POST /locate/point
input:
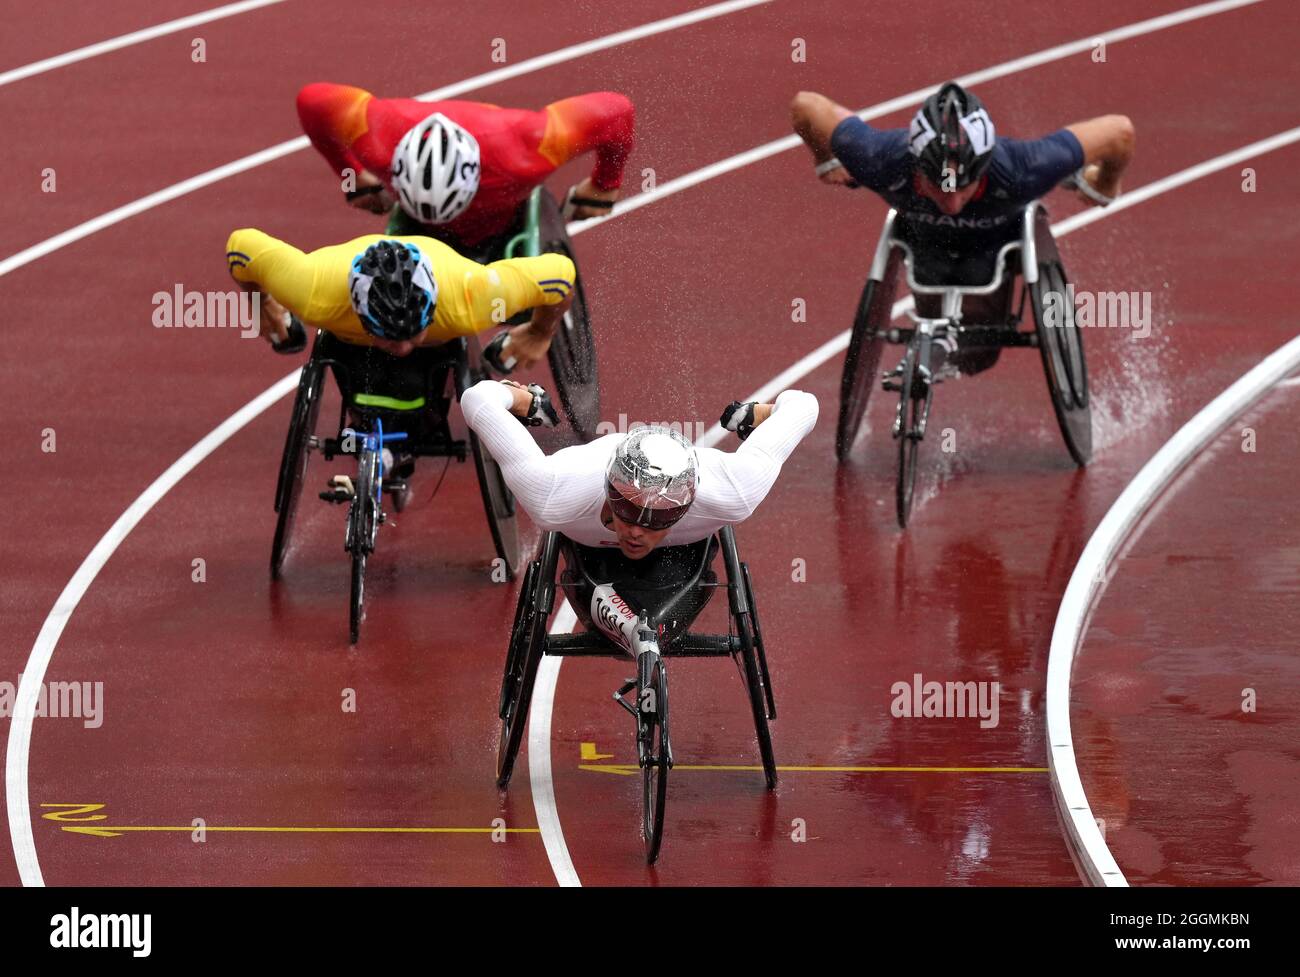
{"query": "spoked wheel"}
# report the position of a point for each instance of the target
(293, 462)
(1061, 345)
(758, 695)
(862, 361)
(523, 657)
(750, 659)
(498, 500)
(759, 647)
(363, 522)
(499, 504)
(573, 350)
(510, 680)
(909, 441)
(654, 750)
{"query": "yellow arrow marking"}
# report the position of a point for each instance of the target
(589, 752)
(75, 809)
(626, 769)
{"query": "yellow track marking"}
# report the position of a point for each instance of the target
(589, 752)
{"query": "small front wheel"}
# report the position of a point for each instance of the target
(356, 610)
(655, 754)
(910, 411)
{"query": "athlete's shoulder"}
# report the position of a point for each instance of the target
(877, 158)
(1031, 167)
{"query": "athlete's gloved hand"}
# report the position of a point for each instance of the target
(541, 412)
(582, 203)
(739, 418)
(1081, 182)
(495, 356)
(295, 342)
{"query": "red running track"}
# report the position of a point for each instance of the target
(222, 699)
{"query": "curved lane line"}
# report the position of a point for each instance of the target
(20, 730)
(126, 40)
(539, 757)
(1087, 844)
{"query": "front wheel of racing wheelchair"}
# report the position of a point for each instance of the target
(529, 642)
(424, 418)
(1056, 334)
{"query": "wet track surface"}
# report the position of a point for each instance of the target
(223, 699)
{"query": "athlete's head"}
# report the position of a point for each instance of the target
(435, 170)
(952, 140)
(393, 293)
(649, 484)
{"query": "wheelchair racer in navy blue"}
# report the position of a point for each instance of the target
(958, 187)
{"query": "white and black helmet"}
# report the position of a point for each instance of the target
(436, 170)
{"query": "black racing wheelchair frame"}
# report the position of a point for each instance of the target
(1055, 334)
(422, 425)
(530, 642)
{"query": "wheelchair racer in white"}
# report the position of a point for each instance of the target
(635, 496)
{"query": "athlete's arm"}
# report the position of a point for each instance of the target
(500, 290)
(333, 117)
(814, 117)
(603, 122)
(279, 271)
(531, 475)
(1108, 142)
(751, 470)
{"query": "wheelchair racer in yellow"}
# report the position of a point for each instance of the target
(387, 304)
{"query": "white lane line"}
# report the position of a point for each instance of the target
(1012, 67)
(126, 40)
(1088, 845)
(539, 757)
(20, 731)
(271, 153)
(20, 827)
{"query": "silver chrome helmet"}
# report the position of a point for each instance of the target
(651, 477)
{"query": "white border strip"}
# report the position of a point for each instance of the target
(289, 146)
(1087, 843)
(126, 40)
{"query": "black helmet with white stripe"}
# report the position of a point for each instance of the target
(952, 137)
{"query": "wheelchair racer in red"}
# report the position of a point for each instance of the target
(460, 171)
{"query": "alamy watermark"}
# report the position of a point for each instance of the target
(182, 309)
(60, 700)
(1102, 310)
(920, 699)
(691, 430)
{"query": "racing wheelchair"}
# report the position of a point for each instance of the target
(541, 229)
(1043, 283)
(645, 622)
(416, 423)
